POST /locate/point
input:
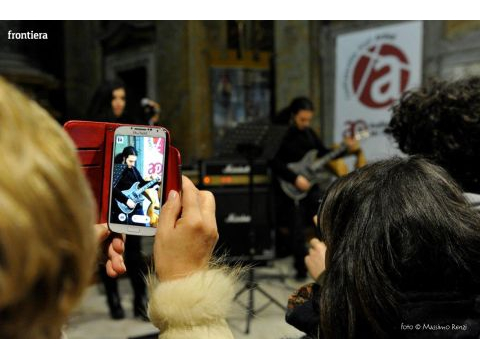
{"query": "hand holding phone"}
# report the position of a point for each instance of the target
(113, 249)
(184, 245)
(96, 143)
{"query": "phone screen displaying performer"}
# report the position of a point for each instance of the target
(137, 180)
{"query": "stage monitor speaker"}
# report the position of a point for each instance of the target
(233, 221)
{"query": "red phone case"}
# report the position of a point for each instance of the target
(94, 141)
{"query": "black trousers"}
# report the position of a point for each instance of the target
(136, 269)
(302, 219)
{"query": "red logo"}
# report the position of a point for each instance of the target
(380, 75)
(355, 127)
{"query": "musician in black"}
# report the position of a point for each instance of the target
(300, 139)
(125, 175)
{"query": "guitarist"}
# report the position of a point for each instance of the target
(299, 139)
(127, 176)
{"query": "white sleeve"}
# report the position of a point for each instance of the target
(194, 307)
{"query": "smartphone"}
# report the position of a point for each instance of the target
(137, 179)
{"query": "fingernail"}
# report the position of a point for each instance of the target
(172, 195)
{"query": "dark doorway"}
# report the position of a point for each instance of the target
(136, 83)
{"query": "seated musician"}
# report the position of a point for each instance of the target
(298, 141)
(125, 176)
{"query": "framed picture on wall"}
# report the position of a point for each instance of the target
(241, 90)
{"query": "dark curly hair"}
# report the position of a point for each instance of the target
(381, 257)
(441, 121)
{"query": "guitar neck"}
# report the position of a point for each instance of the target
(147, 186)
(318, 164)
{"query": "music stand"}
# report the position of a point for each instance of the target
(253, 141)
(260, 133)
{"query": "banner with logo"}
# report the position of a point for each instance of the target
(373, 68)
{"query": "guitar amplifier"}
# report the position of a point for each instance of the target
(192, 171)
(234, 172)
(233, 221)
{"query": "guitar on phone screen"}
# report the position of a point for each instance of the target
(135, 194)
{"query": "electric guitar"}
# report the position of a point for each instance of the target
(314, 170)
(135, 194)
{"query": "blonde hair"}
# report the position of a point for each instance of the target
(47, 246)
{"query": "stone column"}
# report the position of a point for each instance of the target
(297, 64)
(183, 85)
(292, 61)
(83, 65)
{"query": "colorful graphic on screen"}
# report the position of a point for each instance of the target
(137, 180)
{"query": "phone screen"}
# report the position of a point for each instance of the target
(137, 180)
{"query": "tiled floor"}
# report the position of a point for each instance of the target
(91, 318)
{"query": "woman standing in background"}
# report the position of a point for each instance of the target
(109, 104)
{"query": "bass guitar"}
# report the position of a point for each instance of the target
(314, 169)
(135, 194)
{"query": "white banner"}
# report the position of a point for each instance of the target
(373, 68)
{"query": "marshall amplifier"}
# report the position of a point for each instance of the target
(233, 221)
(225, 173)
(192, 171)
